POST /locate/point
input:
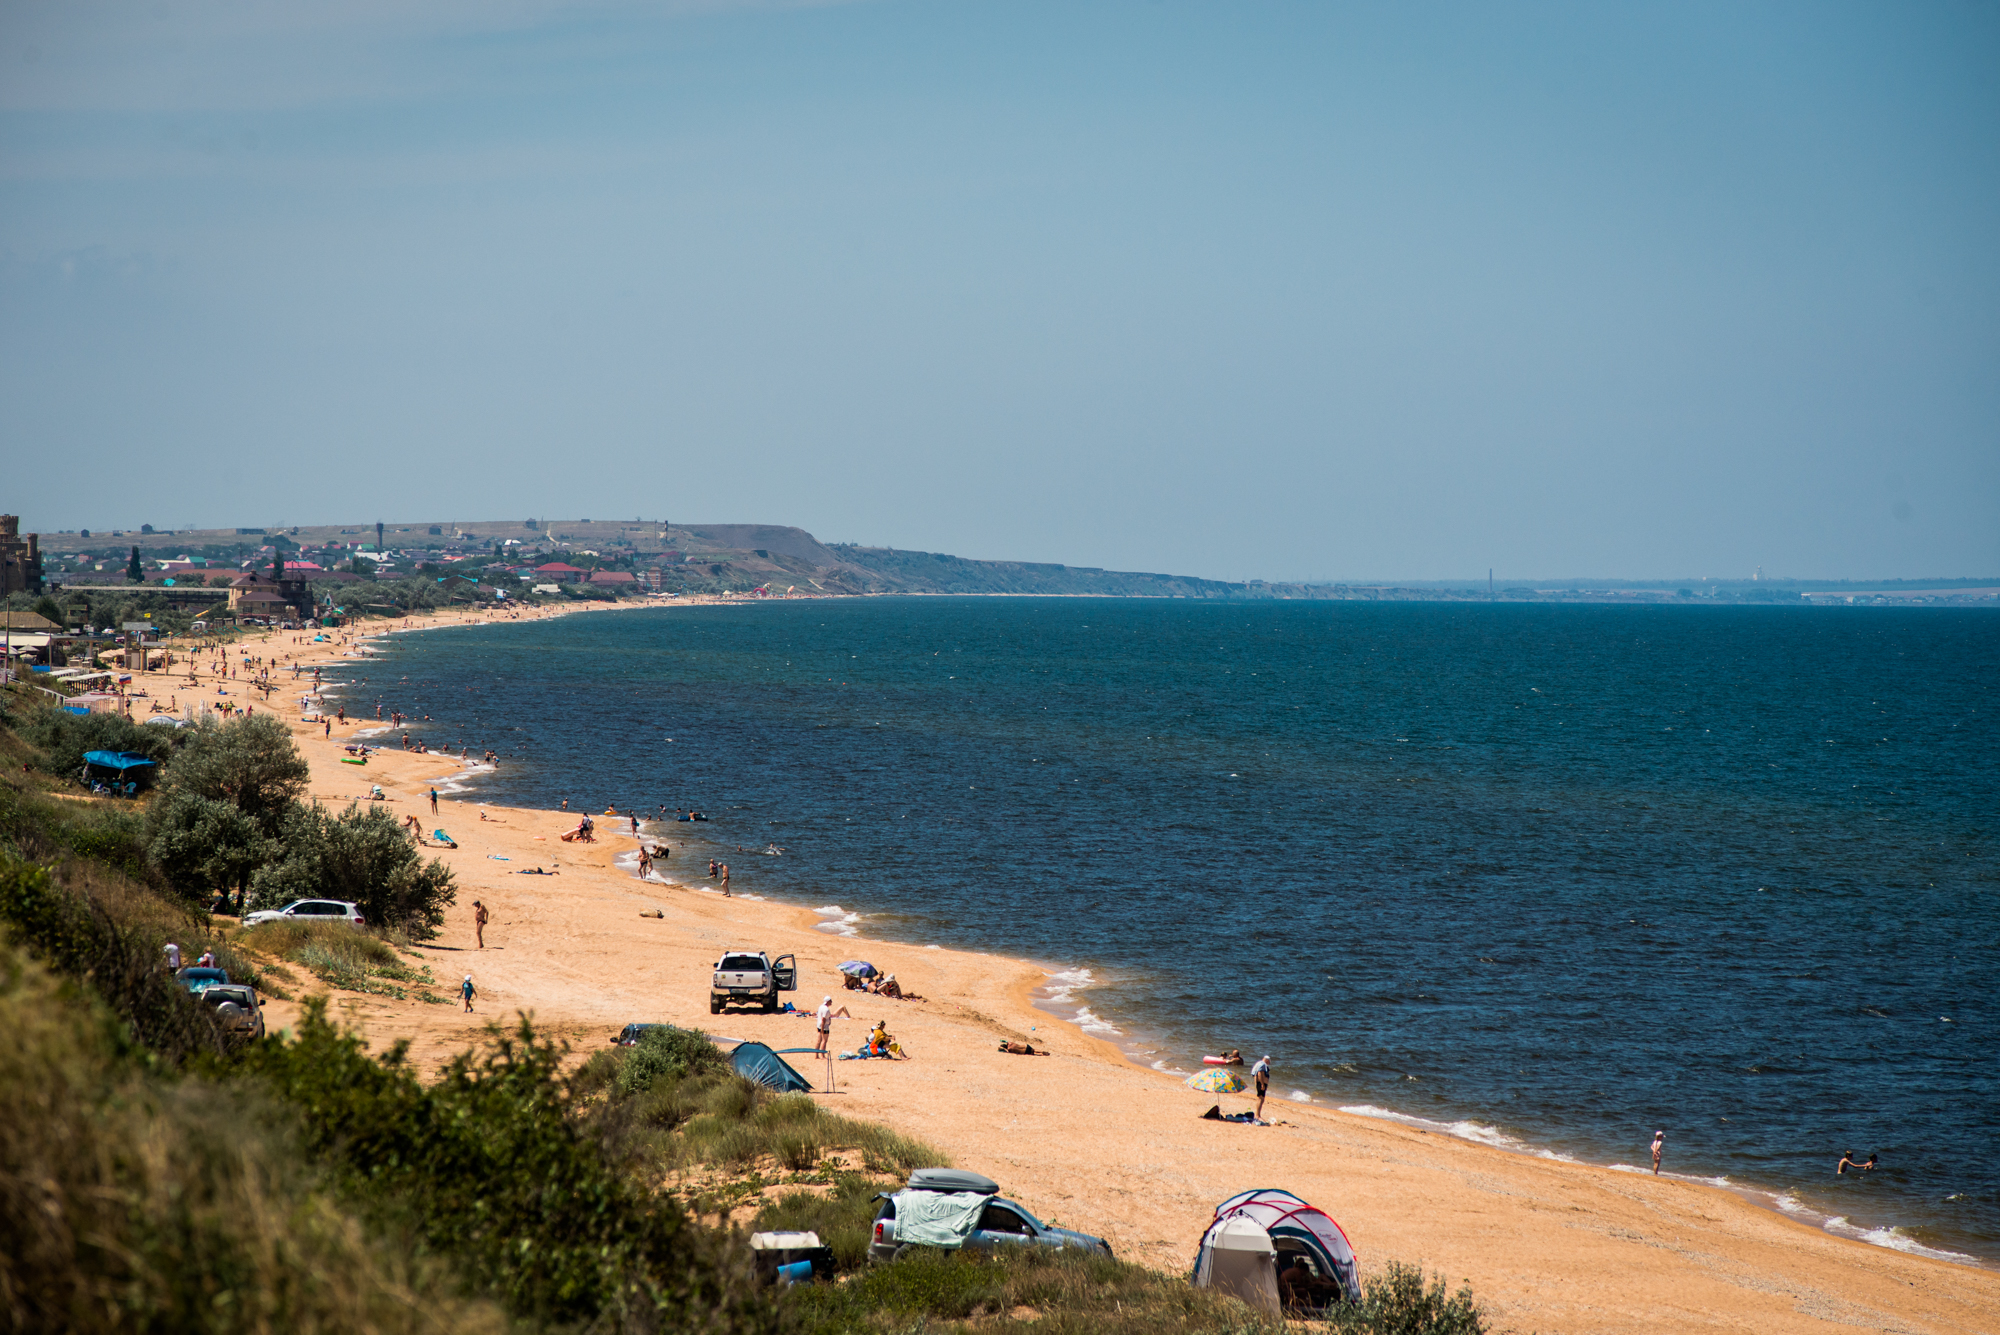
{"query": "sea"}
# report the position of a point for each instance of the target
(1552, 878)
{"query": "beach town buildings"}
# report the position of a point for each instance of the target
(555, 572)
(257, 594)
(20, 559)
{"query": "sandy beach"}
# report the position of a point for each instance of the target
(1085, 1137)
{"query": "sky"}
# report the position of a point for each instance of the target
(1312, 291)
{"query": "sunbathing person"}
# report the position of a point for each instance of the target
(1023, 1050)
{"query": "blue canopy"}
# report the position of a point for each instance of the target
(756, 1061)
(118, 760)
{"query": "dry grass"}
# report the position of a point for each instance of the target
(349, 958)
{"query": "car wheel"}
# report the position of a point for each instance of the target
(770, 1005)
(714, 1006)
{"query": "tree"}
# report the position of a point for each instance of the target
(135, 571)
(200, 844)
(364, 858)
(250, 763)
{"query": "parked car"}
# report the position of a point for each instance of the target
(238, 1007)
(998, 1223)
(746, 978)
(198, 979)
(309, 910)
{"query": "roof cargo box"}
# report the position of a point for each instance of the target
(952, 1180)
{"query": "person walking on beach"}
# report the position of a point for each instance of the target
(479, 920)
(468, 991)
(725, 880)
(1659, 1144)
(1261, 1074)
(434, 801)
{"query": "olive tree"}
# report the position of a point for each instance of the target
(223, 803)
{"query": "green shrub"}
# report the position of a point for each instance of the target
(667, 1052)
(63, 737)
(1396, 1301)
(489, 1166)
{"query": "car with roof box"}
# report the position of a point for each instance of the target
(964, 1210)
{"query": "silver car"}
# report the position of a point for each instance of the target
(1001, 1223)
(309, 910)
(238, 1008)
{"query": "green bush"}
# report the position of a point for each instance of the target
(249, 763)
(489, 1166)
(665, 1051)
(1396, 1301)
(63, 737)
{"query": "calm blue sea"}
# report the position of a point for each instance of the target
(1551, 877)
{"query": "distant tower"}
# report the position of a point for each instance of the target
(378, 537)
(1759, 575)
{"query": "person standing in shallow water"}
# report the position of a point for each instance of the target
(725, 880)
(1659, 1144)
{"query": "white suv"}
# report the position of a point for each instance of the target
(309, 910)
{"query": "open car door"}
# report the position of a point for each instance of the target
(785, 969)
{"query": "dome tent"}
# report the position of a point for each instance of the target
(1298, 1233)
(1237, 1258)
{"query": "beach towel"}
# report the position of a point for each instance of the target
(443, 838)
(937, 1218)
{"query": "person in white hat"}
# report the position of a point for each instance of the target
(825, 1019)
(1261, 1073)
(468, 991)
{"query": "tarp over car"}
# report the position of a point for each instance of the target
(756, 1061)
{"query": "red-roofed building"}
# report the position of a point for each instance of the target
(615, 578)
(557, 572)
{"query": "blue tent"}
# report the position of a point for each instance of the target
(756, 1061)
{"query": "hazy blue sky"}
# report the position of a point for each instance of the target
(1234, 290)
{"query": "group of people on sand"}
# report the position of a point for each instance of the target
(880, 985)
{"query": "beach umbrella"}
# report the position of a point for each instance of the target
(858, 968)
(1215, 1080)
